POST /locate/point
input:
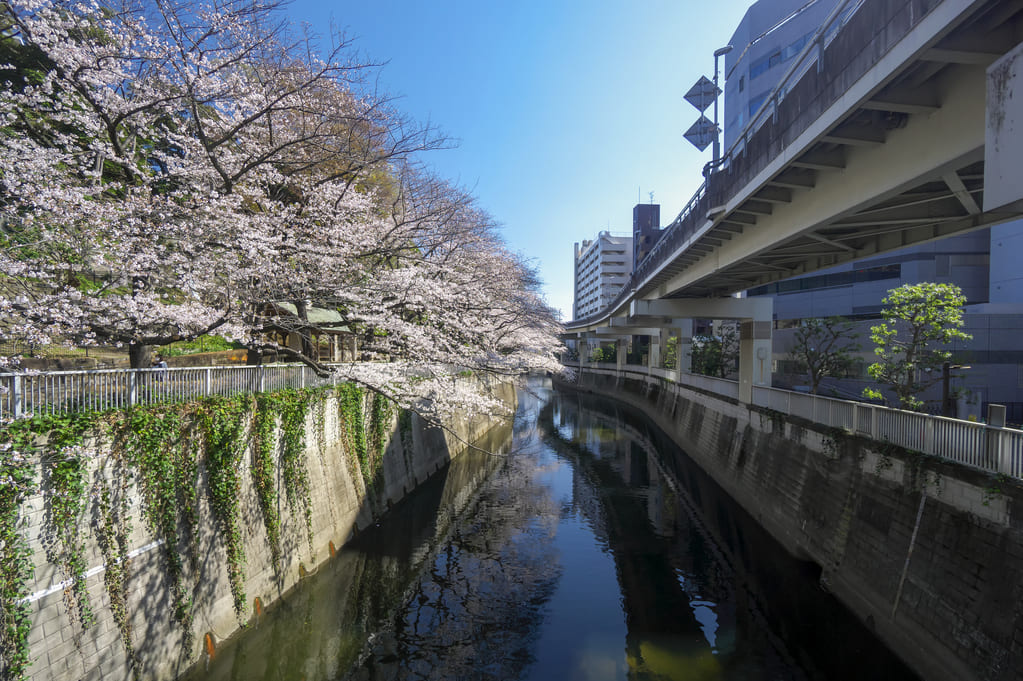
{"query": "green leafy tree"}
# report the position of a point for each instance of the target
(823, 347)
(717, 355)
(605, 354)
(670, 358)
(918, 319)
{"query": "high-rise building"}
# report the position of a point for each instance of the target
(646, 229)
(602, 266)
(984, 263)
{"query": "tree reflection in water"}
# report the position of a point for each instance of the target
(594, 550)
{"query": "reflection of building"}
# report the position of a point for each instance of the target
(602, 266)
(983, 263)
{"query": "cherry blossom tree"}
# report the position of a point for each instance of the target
(168, 169)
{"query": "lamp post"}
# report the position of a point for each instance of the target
(721, 51)
(948, 406)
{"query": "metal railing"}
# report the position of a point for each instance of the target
(991, 448)
(809, 56)
(70, 391)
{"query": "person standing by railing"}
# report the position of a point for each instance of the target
(160, 364)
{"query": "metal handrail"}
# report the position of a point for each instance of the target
(795, 71)
(56, 392)
(990, 448)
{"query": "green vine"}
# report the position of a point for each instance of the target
(994, 490)
(66, 477)
(166, 474)
(353, 429)
(380, 421)
(16, 484)
(65, 469)
(292, 407)
(160, 448)
(224, 437)
(832, 439)
(264, 471)
(319, 423)
(112, 537)
(405, 429)
(884, 458)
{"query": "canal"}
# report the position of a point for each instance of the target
(585, 545)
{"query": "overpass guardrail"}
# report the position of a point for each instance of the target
(991, 448)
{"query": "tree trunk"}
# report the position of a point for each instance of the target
(140, 356)
(253, 357)
(302, 310)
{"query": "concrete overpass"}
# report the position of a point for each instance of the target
(900, 128)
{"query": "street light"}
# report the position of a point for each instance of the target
(721, 51)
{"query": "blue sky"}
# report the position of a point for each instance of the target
(566, 113)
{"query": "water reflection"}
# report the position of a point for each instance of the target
(322, 627)
(594, 550)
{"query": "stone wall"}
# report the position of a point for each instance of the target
(863, 512)
(342, 504)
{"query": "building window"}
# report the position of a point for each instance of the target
(742, 83)
(755, 103)
(762, 65)
(822, 281)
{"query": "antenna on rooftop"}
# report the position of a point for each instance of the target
(651, 197)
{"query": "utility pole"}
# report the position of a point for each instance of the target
(717, 130)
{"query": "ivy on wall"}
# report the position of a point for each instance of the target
(287, 449)
(65, 469)
(366, 445)
(380, 422)
(59, 438)
(161, 453)
(112, 528)
(165, 471)
(16, 485)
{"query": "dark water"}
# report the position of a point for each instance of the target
(593, 550)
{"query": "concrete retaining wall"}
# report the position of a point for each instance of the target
(862, 512)
(61, 649)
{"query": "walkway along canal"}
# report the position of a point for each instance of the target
(595, 549)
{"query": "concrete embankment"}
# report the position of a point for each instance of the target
(927, 553)
(133, 612)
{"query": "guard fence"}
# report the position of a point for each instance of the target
(55, 392)
(993, 448)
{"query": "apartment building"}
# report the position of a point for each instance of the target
(602, 266)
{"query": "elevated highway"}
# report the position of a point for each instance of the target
(895, 126)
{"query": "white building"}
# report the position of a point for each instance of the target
(602, 266)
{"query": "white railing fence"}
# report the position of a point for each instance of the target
(69, 391)
(995, 449)
(989, 447)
